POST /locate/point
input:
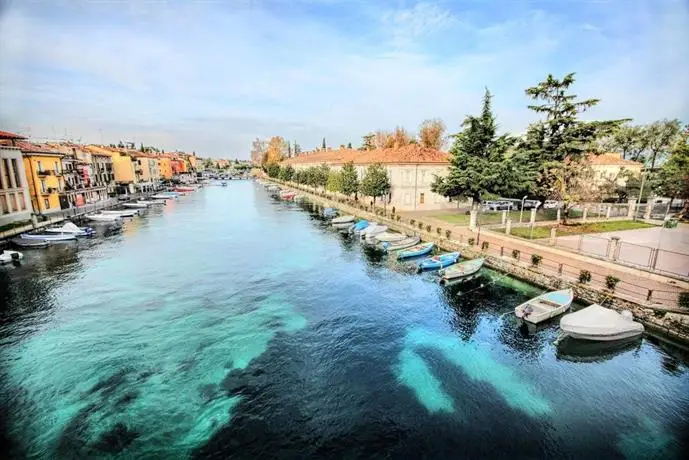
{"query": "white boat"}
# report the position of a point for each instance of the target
(151, 202)
(545, 306)
(104, 217)
(406, 242)
(30, 244)
(121, 212)
(598, 323)
(343, 220)
(463, 271)
(371, 231)
(8, 256)
(70, 229)
(135, 205)
(47, 237)
(389, 237)
(161, 196)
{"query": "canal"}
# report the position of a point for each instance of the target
(230, 325)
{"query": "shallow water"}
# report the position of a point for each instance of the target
(231, 325)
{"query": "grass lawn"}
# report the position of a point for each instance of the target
(487, 218)
(577, 229)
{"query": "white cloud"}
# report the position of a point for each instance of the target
(200, 77)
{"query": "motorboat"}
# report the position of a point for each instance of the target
(287, 195)
(439, 261)
(48, 237)
(545, 306)
(343, 220)
(330, 212)
(30, 244)
(184, 189)
(359, 226)
(70, 229)
(407, 242)
(7, 256)
(462, 271)
(121, 212)
(372, 230)
(415, 251)
(104, 217)
(389, 237)
(171, 193)
(598, 323)
(162, 196)
(135, 205)
(151, 202)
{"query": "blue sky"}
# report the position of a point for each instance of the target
(211, 75)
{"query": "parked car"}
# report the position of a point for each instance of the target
(530, 204)
(552, 204)
(497, 205)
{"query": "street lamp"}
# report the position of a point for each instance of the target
(521, 212)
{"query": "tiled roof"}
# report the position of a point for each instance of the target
(410, 154)
(30, 147)
(7, 135)
(614, 159)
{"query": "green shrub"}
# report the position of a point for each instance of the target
(448, 233)
(611, 282)
(438, 230)
(584, 276)
(684, 299)
(536, 260)
(420, 225)
(516, 254)
(484, 245)
(472, 241)
(428, 228)
(398, 217)
(412, 221)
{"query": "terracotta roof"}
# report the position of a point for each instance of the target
(612, 159)
(8, 135)
(410, 154)
(30, 147)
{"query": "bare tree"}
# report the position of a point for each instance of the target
(432, 134)
(400, 138)
(258, 148)
(382, 139)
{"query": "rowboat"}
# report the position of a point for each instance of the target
(135, 205)
(104, 218)
(598, 323)
(389, 237)
(415, 251)
(7, 256)
(359, 226)
(121, 212)
(151, 202)
(343, 220)
(287, 195)
(70, 229)
(47, 237)
(330, 212)
(545, 306)
(161, 196)
(184, 189)
(461, 270)
(439, 261)
(402, 244)
(30, 244)
(372, 230)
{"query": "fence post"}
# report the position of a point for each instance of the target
(654, 258)
(504, 217)
(632, 208)
(559, 216)
(607, 212)
(553, 236)
(533, 216)
(583, 218)
(508, 226)
(649, 295)
(559, 269)
(580, 243)
(502, 251)
(649, 208)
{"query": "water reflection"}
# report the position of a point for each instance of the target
(586, 351)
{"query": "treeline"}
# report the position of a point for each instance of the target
(375, 183)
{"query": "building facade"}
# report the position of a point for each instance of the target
(15, 202)
(43, 167)
(411, 171)
(612, 167)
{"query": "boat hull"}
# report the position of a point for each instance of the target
(421, 250)
(442, 261)
(10, 256)
(46, 237)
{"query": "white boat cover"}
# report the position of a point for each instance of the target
(596, 320)
(343, 220)
(373, 229)
(70, 227)
(390, 237)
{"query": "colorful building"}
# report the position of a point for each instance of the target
(43, 167)
(15, 202)
(165, 167)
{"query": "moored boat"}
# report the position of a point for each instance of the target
(47, 237)
(343, 220)
(121, 212)
(70, 229)
(135, 205)
(407, 242)
(330, 212)
(461, 271)
(151, 202)
(389, 237)
(359, 226)
(161, 196)
(415, 251)
(104, 217)
(30, 244)
(184, 189)
(7, 256)
(439, 261)
(372, 230)
(545, 306)
(598, 323)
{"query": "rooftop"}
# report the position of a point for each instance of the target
(410, 154)
(8, 135)
(614, 159)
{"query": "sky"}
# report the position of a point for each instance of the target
(212, 75)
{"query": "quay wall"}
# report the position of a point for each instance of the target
(670, 321)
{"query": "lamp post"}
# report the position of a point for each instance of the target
(521, 212)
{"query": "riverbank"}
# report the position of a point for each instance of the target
(559, 270)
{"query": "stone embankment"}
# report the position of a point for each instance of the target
(672, 321)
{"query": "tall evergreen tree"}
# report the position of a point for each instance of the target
(481, 161)
(323, 146)
(350, 179)
(368, 142)
(289, 150)
(297, 149)
(376, 182)
(673, 178)
(349, 145)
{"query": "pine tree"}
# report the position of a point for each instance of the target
(350, 179)
(376, 182)
(349, 145)
(289, 150)
(323, 143)
(368, 142)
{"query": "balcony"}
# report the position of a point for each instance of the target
(48, 172)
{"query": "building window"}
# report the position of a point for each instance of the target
(22, 201)
(3, 201)
(421, 198)
(6, 173)
(13, 200)
(15, 170)
(39, 165)
(46, 203)
(43, 189)
(57, 168)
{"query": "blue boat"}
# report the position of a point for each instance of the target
(414, 251)
(439, 261)
(359, 226)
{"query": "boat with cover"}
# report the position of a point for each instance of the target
(407, 242)
(545, 306)
(104, 217)
(343, 220)
(439, 261)
(389, 237)
(151, 202)
(30, 244)
(7, 256)
(121, 212)
(598, 323)
(415, 251)
(373, 229)
(135, 205)
(359, 226)
(461, 270)
(70, 229)
(47, 237)
(160, 196)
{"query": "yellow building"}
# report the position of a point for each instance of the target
(44, 173)
(611, 167)
(193, 161)
(165, 167)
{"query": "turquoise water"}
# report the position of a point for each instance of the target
(230, 325)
